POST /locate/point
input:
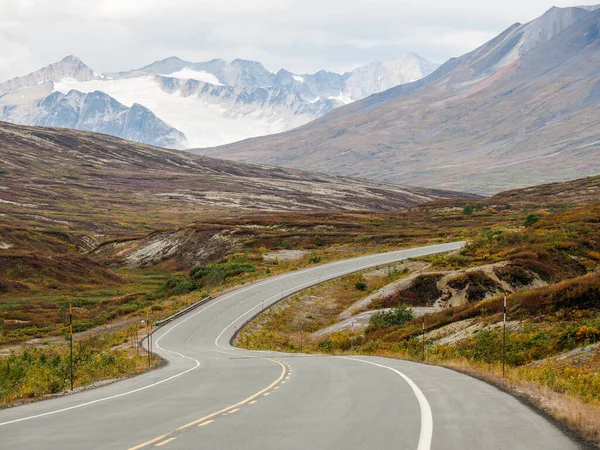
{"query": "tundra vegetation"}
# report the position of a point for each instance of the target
(54, 253)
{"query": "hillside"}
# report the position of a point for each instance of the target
(78, 181)
(520, 110)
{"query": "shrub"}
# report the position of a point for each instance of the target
(480, 286)
(397, 316)
(283, 244)
(214, 274)
(468, 209)
(460, 281)
(588, 334)
(531, 219)
(314, 259)
(361, 286)
(178, 286)
(423, 291)
(514, 275)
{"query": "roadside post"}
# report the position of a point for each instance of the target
(301, 333)
(423, 336)
(150, 323)
(504, 337)
(71, 343)
(148, 337)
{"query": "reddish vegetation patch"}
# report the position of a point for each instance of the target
(52, 271)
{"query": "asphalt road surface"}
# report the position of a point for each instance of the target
(214, 396)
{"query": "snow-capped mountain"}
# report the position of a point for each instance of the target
(188, 104)
(522, 109)
(68, 67)
(382, 75)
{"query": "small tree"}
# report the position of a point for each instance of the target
(468, 209)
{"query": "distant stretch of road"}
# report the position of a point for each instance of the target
(214, 396)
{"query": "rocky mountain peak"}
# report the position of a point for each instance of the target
(68, 67)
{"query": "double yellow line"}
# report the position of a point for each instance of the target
(216, 413)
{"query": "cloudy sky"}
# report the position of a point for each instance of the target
(302, 36)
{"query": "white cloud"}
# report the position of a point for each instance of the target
(300, 35)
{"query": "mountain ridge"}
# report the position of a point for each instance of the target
(209, 103)
(508, 114)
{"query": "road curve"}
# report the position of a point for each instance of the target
(214, 396)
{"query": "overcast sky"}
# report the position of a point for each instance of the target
(301, 36)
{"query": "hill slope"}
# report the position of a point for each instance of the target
(521, 110)
(84, 181)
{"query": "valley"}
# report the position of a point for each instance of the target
(404, 253)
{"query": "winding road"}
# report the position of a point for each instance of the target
(214, 396)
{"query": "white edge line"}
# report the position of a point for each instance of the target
(219, 300)
(426, 434)
(49, 413)
(331, 276)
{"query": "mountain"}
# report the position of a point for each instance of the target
(97, 112)
(202, 104)
(382, 75)
(523, 109)
(49, 174)
(33, 100)
(68, 67)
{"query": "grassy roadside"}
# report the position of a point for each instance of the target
(553, 357)
(41, 371)
(553, 339)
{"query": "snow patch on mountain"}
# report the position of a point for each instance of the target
(191, 74)
(298, 78)
(342, 98)
(202, 123)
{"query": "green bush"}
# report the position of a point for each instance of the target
(397, 316)
(468, 209)
(178, 286)
(319, 242)
(215, 274)
(361, 286)
(531, 219)
(283, 244)
(314, 259)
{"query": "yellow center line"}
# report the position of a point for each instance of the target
(206, 423)
(160, 444)
(234, 410)
(216, 413)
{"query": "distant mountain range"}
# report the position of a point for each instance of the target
(521, 110)
(181, 104)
